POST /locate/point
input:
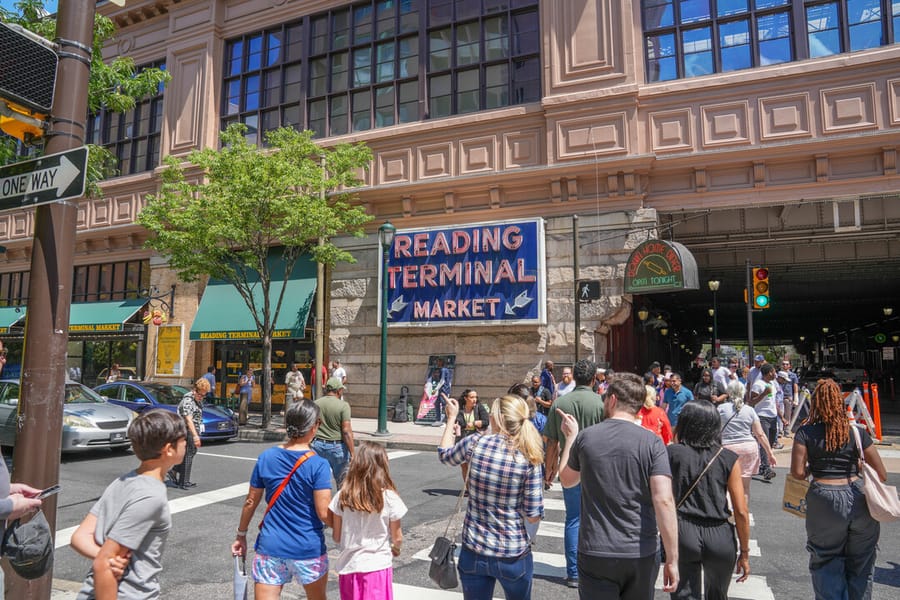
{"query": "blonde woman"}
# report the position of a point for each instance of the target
(505, 490)
(742, 433)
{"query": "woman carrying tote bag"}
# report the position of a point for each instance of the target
(841, 535)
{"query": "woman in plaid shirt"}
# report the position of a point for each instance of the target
(505, 488)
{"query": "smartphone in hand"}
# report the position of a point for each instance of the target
(50, 491)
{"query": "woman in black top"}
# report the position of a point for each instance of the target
(841, 535)
(706, 546)
(709, 389)
(472, 418)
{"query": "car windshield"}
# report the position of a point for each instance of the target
(167, 394)
(79, 394)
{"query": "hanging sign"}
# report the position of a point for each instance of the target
(168, 349)
(660, 266)
(473, 274)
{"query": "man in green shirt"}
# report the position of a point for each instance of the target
(587, 408)
(334, 439)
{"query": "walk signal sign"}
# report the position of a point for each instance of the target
(28, 66)
(761, 296)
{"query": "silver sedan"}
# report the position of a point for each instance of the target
(89, 421)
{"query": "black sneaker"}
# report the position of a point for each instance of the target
(571, 582)
(770, 474)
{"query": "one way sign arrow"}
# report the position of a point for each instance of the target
(45, 179)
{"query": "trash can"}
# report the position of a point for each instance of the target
(400, 413)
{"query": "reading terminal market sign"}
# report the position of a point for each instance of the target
(489, 273)
(660, 266)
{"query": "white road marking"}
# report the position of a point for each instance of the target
(414, 592)
(546, 564)
(554, 504)
(64, 536)
(226, 456)
(889, 453)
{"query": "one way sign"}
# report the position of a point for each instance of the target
(49, 178)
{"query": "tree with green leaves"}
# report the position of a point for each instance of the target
(226, 212)
(115, 86)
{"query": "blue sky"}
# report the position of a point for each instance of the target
(50, 5)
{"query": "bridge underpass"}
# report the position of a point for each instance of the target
(832, 264)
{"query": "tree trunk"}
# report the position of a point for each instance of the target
(266, 381)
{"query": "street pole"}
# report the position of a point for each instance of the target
(40, 409)
(320, 309)
(385, 238)
(749, 317)
(575, 270)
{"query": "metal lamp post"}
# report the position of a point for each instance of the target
(385, 239)
(714, 288)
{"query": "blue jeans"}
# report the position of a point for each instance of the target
(572, 501)
(337, 456)
(478, 573)
(770, 428)
(841, 538)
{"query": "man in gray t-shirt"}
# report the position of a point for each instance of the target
(626, 497)
(125, 531)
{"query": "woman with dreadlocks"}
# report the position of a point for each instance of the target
(841, 536)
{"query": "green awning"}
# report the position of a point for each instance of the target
(92, 317)
(223, 314)
(9, 316)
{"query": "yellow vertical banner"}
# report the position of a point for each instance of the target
(168, 349)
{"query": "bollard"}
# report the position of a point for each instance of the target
(876, 411)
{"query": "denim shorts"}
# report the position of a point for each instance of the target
(272, 570)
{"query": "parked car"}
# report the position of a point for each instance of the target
(89, 421)
(218, 423)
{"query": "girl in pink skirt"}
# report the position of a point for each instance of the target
(367, 513)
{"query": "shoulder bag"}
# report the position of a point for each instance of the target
(700, 476)
(283, 485)
(884, 505)
(443, 553)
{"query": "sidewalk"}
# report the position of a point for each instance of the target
(402, 436)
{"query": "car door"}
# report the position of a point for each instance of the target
(134, 398)
(9, 401)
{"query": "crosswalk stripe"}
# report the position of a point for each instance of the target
(546, 564)
(414, 592)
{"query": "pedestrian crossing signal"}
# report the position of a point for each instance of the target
(761, 291)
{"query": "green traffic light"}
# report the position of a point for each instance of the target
(762, 301)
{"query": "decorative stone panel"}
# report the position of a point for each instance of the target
(595, 135)
(894, 100)
(671, 130)
(522, 149)
(586, 41)
(848, 108)
(394, 166)
(435, 161)
(784, 117)
(123, 210)
(22, 225)
(788, 173)
(187, 93)
(99, 214)
(725, 124)
(477, 154)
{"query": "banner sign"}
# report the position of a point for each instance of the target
(468, 275)
(168, 349)
(660, 266)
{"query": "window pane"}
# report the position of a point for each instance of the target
(694, 10)
(440, 12)
(658, 13)
(760, 4)
(526, 33)
(823, 30)
(270, 120)
(439, 50)
(294, 43)
(725, 8)
(362, 67)
(340, 29)
(252, 123)
(319, 32)
(408, 106)
(496, 83)
(386, 20)
(734, 38)
(292, 78)
(254, 56)
(385, 58)
(362, 118)
(467, 9)
(362, 24)
(661, 65)
(864, 17)
(409, 57)
(317, 117)
(440, 100)
(318, 77)
(339, 69)
(774, 33)
(337, 120)
(492, 6)
(272, 96)
(251, 93)
(468, 44)
(235, 57)
(409, 16)
(526, 80)
(291, 117)
(496, 38)
(384, 106)
(273, 55)
(467, 86)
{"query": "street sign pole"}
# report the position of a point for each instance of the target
(36, 460)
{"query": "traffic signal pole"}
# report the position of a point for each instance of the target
(40, 409)
(749, 315)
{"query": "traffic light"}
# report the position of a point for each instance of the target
(21, 123)
(761, 296)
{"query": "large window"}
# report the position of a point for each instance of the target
(111, 281)
(383, 62)
(132, 136)
(14, 288)
(689, 38)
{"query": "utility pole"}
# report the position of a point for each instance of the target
(40, 409)
(575, 270)
(749, 317)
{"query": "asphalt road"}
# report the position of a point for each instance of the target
(197, 562)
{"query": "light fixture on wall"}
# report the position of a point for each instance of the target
(711, 311)
(888, 311)
(895, 338)
(824, 330)
(642, 314)
(663, 331)
(802, 338)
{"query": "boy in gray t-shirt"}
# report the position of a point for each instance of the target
(125, 531)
